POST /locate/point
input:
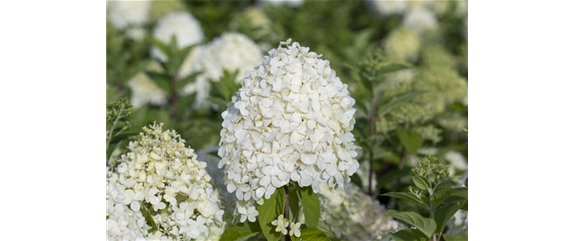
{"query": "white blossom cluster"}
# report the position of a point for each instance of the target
(130, 16)
(458, 224)
(403, 44)
(457, 162)
(229, 52)
(420, 19)
(419, 16)
(352, 215)
(145, 91)
(290, 121)
(186, 29)
(162, 177)
(290, 3)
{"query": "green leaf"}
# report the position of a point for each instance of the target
(313, 234)
(421, 183)
(409, 235)
(466, 182)
(269, 211)
(161, 46)
(411, 140)
(443, 214)
(425, 225)
(181, 83)
(460, 192)
(406, 196)
(161, 80)
(393, 67)
(294, 201)
(311, 206)
(389, 104)
(455, 237)
(148, 218)
(240, 231)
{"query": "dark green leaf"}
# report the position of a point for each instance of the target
(161, 80)
(455, 237)
(425, 225)
(161, 46)
(393, 67)
(148, 218)
(407, 196)
(240, 231)
(269, 211)
(409, 235)
(421, 183)
(442, 215)
(294, 201)
(313, 234)
(411, 140)
(311, 206)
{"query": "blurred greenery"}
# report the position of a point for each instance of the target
(410, 88)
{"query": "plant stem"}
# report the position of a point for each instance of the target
(372, 118)
(174, 98)
(286, 212)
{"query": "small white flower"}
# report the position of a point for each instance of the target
(281, 224)
(249, 213)
(295, 229)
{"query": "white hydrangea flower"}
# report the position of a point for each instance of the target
(389, 7)
(402, 45)
(290, 121)
(145, 91)
(228, 199)
(458, 224)
(128, 13)
(352, 215)
(229, 52)
(290, 3)
(457, 162)
(162, 176)
(420, 19)
(186, 29)
(281, 224)
(121, 221)
(295, 229)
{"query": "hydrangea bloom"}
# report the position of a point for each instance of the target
(145, 91)
(457, 162)
(183, 26)
(389, 7)
(290, 121)
(420, 19)
(402, 45)
(352, 215)
(290, 3)
(125, 14)
(229, 52)
(162, 177)
(458, 224)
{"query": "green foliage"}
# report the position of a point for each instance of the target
(432, 191)
(240, 231)
(311, 206)
(269, 211)
(118, 114)
(312, 234)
